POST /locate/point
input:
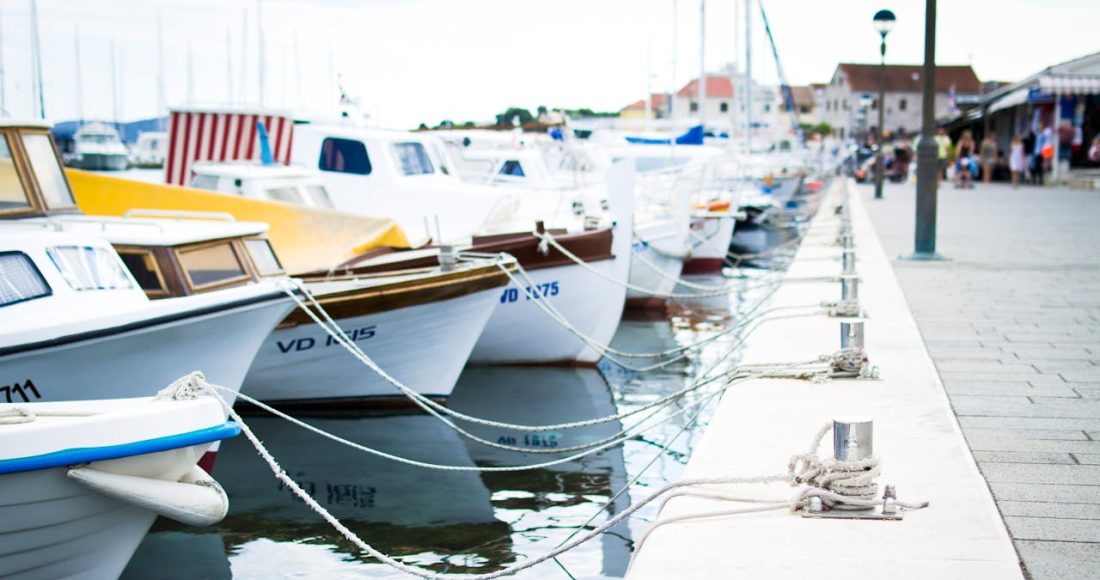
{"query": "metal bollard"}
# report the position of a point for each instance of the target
(849, 260)
(849, 287)
(846, 239)
(851, 334)
(448, 258)
(853, 439)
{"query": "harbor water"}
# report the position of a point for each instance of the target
(467, 521)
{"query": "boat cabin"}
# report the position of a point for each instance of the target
(288, 184)
(172, 254)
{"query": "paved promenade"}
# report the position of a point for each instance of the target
(1012, 323)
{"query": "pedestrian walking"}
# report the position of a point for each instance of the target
(1094, 151)
(943, 150)
(989, 156)
(964, 162)
(1016, 161)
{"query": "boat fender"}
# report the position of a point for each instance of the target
(196, 499)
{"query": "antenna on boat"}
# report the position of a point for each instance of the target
(672, 97)
(190, 75)
(266, 158)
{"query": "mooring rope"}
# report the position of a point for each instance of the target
(817, 478)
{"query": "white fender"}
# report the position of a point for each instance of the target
(196, 499)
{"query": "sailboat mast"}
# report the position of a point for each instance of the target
(228, 66)
(735, 83)
(79, 75)
(162, 97)
(114, 84)
(3, 94)
(244, 58)
(748, 75)
(702, 87)
(675, 47)
(36, 62)
(260, 39)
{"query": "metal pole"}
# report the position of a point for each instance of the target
(881, 118)
(927, 157)
(702, 87)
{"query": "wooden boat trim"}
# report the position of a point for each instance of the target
(592, 246)
(403, 294)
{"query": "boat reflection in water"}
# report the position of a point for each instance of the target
(544, 506)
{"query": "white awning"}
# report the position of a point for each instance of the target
(1016, 97)
(1070, 84)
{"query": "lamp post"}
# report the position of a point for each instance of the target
(884, 22)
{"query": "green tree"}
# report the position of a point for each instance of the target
(512, 113)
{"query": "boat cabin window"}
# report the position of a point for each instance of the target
(413, 158)
(211, 265)
(12, 194)
(20, 280)
(287, 194)
(267, 264)
(90, 268)
(344, 156)
(143, 266)
(207, 182)
(319, 195)
(47, 168)
(512, 167)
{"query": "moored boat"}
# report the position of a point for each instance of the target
(96, 146)
(83, 481)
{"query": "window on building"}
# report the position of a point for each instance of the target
(803, 109)
(47, 168)
(724, 107)
(413, 158)
(874, 104)
(21, 280)
(344, 156)
(694, 107)
(842, 133)
(903, 104)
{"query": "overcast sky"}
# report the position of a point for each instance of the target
(428, 60)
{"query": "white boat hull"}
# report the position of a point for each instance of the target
(710, 241)
(521, 332)
(124, 363)
(655, 271)
(424, 346)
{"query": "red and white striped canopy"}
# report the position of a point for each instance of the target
(222, 136)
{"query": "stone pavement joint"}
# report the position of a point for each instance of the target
(1012, 323)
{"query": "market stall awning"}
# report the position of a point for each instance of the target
(1070, 84)
(1016, 97)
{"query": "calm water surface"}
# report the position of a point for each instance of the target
(458, 521)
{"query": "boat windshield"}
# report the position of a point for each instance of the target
(47, 168)
(90, 268)
(98, 139)
(20, 280)
(12, 194)
(413, 158)
(320, 197)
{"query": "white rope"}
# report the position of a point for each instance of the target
(17, 415)
(669, 295)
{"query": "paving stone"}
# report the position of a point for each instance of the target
(1059, 366)
(1065, 530)
(1081, 376)
(1073, 511)
(1075, 551)
(1045, 423)
(1023, 457)
(1086, 392)
(972, 405)
(1046, 560)
(964, 366)
(1033, 473)
(1050, 352)
(1028, 434)
(979, 440)
(1004, 491)
(1009, 389)
(1088, 459)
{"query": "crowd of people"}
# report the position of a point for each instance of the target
(1029, 157)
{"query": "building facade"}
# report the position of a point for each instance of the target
(849, 102)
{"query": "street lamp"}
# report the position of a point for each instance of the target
(884, 22)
